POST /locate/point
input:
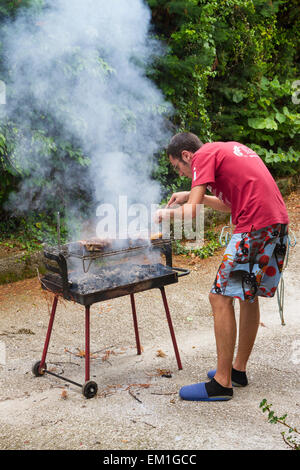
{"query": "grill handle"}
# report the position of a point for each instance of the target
(62, 271)
(184, 272)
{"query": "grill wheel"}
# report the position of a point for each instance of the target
(89, 389)
(35, 369)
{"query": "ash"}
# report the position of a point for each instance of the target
(116, 276)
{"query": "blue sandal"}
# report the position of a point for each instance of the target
(198, 392)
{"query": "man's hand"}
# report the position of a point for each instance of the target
(188, 209)
(178, 198)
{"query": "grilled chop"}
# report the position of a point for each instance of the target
(156, 236)
(96, 244)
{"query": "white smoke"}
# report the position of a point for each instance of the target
(80, 65)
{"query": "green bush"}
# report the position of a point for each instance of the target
(291, 435)
(228, 69)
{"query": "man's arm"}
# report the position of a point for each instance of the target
(210, 201)
(215, 203)
(189, 209)
(197, 196)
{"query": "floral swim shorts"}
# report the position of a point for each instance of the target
(252, 263)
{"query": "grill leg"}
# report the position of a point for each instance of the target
(49, 331)
(136, 330)
(162, 290)
(87, 343)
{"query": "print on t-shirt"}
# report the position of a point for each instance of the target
(243, 151)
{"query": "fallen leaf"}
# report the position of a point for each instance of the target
(138, 385)
(159, 373)
(160, 353)
(25, 331)
(81, 353)
(164, 372)
(107, 354)
(192, 262)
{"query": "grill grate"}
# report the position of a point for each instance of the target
(106, 282)
(107, 279)
(119, 248)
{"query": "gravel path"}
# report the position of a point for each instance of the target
(136, 407)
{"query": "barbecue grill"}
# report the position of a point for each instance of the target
(102, 274)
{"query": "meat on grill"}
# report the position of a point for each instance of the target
(96, 244)
(156, 236)
(101, 244)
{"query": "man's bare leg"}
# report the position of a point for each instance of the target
(248, 326)
(225, 333)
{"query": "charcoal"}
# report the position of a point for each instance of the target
(109, 278)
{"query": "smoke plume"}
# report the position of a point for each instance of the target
(77, 75)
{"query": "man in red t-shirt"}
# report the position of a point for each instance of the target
(252, 264)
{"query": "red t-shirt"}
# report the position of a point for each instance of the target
(238, 177)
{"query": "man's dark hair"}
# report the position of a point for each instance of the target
(183, 141)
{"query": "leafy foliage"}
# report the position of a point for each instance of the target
(228, 69)
(292, 438)
(211, 244)
(53, 187)
(29, 233)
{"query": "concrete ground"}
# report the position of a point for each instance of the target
(136, 407)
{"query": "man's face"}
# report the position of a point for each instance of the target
(183, 168)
